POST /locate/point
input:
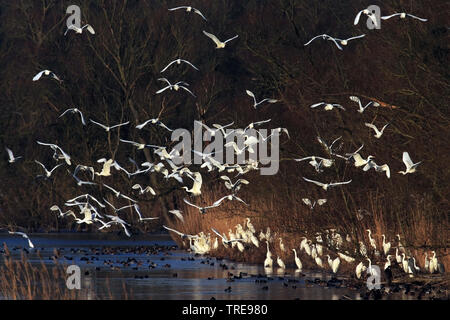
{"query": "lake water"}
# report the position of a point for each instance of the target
(152, 267)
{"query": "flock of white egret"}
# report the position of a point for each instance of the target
(244, 236)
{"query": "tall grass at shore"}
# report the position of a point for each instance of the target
(424, 230)
(20, 280)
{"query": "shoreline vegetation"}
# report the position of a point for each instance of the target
(21, 279)
(112, 76)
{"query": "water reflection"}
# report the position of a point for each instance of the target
(116, 268)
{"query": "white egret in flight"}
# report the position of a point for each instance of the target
(410, 166)
(219, 44)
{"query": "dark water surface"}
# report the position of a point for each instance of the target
(114, 267)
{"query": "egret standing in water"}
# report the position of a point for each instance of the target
(268, 262)
(298, 263)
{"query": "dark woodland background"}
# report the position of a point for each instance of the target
(112, 77)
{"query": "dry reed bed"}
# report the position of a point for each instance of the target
(20, 280)
(291, 220)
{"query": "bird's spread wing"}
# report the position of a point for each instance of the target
(198, 12)
(218, 202)
(174, 61)
(261, 122)
(385, 126)
(10, 154)
(374, 19)
(131, 142)
(251, 94)
(415, 17)
(215, 231)
(90, 29)
(357, 17)
(140, 126)
(357, 37)
(315, 182)
(231, 39)
(335, 42)
(181, 7)
(99, 124)
(193, 205)
(339, 183)
(82, 118)
(163, 89)
(212, 37)
(392, 15)
(357, 100)
(165, 80)
(407, 159)
(110, 188)
(371, 126)
(319, 36)
(120, 125)
(59, 165)
(40, 164)
(38, 76)
(183, 87)
(316, 105)
(162, 125)
(190, 64)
